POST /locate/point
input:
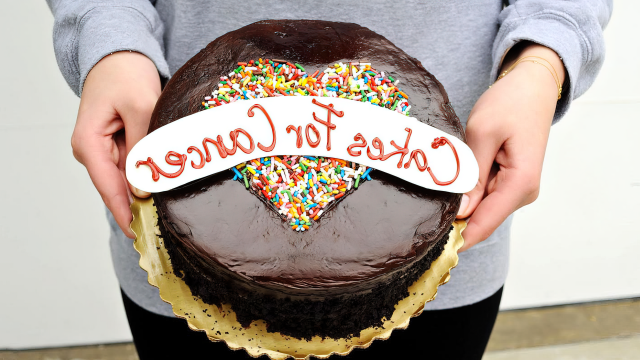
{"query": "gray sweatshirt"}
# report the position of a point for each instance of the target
(461, 42)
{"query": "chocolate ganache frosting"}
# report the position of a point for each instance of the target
(218, 229)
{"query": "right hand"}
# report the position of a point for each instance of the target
(117, 100)
(508, 130)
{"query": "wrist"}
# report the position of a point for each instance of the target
(127, 66)
(542, 64)
(527, 48)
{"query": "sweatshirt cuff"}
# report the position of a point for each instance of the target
(543, 28)
(101, 33)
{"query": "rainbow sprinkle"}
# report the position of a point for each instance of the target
(301, 187)
(269, 78)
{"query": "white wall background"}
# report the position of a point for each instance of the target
(579, 242)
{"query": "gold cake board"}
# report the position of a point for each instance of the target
(220, 324)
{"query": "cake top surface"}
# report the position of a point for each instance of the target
(385, 224)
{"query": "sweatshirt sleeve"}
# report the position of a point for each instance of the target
(572, 28)
(86, 31)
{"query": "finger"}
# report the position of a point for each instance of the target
(136, 112)
(136, 119)
(93, 146)
(508, 195)
(136, 130)
(485, 149)
(120, 141)
(107, 179)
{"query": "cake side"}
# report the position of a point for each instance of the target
(298, 316)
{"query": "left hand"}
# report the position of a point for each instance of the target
(508, 129)
(115, 109)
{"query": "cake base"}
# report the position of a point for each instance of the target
(306, 318)
(221, 323)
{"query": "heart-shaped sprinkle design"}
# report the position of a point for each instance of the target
(300, 187)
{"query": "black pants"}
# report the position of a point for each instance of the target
(454, 334)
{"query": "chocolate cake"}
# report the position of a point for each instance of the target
(350, 268)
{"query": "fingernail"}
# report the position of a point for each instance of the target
(463, 204)
(139, 193)
(130, 234)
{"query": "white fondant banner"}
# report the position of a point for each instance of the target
(217, 139)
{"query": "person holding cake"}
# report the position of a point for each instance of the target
(117, 55)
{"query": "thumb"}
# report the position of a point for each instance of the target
(135, 109)
(136, 120)
(470, 201)
(485, 150)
